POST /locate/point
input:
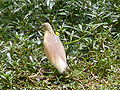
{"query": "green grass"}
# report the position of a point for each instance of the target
(89, 30)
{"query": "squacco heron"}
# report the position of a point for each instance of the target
(54, 49)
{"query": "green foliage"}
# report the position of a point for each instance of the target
(89, 30)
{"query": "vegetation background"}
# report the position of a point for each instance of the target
(89, 30)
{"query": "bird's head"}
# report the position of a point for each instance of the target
(46, 27)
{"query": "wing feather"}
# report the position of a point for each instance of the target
(54, 48)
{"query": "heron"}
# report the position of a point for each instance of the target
(54, 49)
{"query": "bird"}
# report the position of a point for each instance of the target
(54, 49)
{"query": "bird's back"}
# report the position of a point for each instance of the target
(54, 50)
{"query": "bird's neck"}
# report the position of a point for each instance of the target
(51, 31)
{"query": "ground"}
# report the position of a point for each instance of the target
(89, 30)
